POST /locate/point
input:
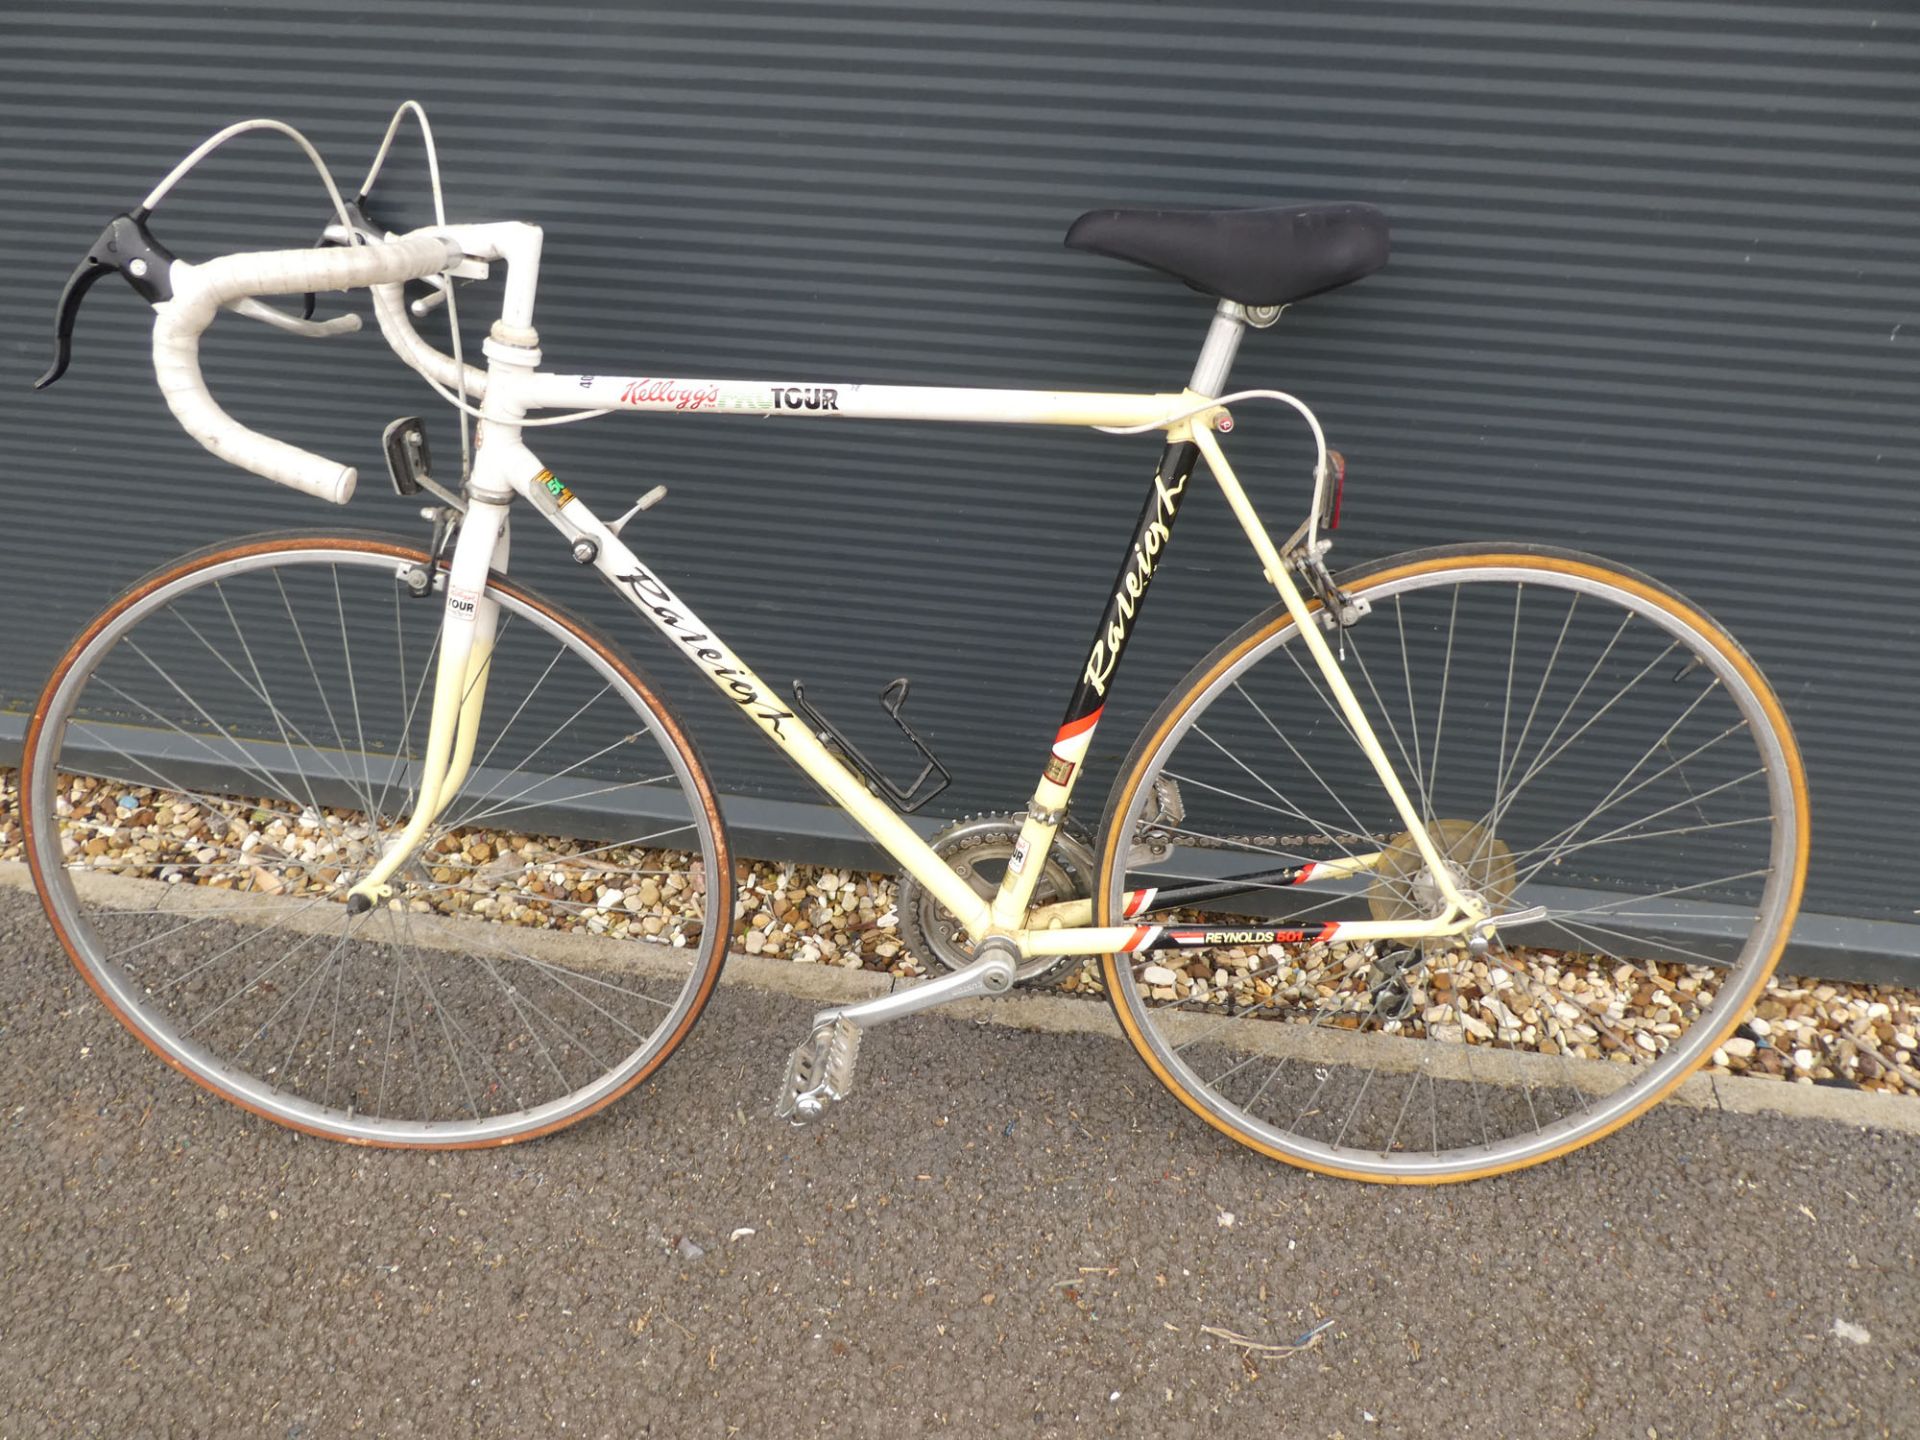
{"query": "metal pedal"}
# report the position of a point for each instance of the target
(820, 1073)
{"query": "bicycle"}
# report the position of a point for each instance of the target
(1438, 868)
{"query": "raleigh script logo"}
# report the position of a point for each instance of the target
(1133, 584)
(660, 602)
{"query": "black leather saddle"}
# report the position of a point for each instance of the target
(1270, 256)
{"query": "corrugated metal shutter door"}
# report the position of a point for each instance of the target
(1652, 294)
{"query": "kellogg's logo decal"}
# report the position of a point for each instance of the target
(676, 393)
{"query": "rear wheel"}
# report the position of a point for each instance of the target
(1574, 737)
(226, 749)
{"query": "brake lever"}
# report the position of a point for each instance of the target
(316, 329)
(330, 234)
(373, 232)
(126, 246)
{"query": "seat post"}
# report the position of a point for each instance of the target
(1210, 371)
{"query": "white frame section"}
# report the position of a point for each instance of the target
(513, 385)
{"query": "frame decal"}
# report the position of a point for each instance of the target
(1172, 937)
(1150, 536)
(650, 592)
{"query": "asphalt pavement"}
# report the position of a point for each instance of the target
(1004, 1232)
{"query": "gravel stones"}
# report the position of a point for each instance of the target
(1548, 1002)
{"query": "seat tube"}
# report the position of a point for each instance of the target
(1138, 566)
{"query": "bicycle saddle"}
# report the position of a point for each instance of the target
(1271, 256)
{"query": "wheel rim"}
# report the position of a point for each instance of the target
(1406, 1075)
(482, 1004)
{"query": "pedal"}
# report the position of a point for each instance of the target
(820, 1073)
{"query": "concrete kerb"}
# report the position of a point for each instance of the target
(1058, 1014)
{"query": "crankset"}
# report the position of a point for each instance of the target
(977, 850)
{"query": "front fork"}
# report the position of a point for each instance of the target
(468, 623)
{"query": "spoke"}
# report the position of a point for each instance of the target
(337, 954)
(1413, 1084)
(1668, 947)
(287, 727)
(365, 790)
(439, 1012)
(404, 751)
(257, 687)
(393, 1012)
(1446, 681)
(1619, 837)
(1313, 682)
(525, 700)
(1615, 795)
(353, 692)
(1506, 717)
(1229, 1073)
(1406, 675)
(1544, 998)
(216, 959)
(1254, 1099)
(1293, 750)
(1542, 758)
(237, 760)
(505, 808)
(1566, 848)
(1612, 799)
(513, 999)
(119, 956)
(468, 816)
(333, 1029)
(211, 804)
(293, 996)
(561, 977)
(1612, 905)
(450, 1026)
(1386, 714)
(1291, 809)
(285, 959)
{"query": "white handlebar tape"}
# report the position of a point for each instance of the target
(198, 293)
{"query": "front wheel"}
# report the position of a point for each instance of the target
(229, 746)
(1572, 736)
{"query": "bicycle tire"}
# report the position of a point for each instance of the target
(1325, 1056)
(559, 1009)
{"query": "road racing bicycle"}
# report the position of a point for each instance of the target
(1440, 867)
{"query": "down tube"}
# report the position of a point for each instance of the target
(675, 619)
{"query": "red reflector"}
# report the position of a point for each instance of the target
(1339, 463)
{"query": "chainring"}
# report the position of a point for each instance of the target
(977, 849)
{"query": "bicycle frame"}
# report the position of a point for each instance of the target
(505, 469)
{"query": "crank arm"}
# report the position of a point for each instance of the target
(991, 974)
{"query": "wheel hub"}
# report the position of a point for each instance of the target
(1477, 860)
